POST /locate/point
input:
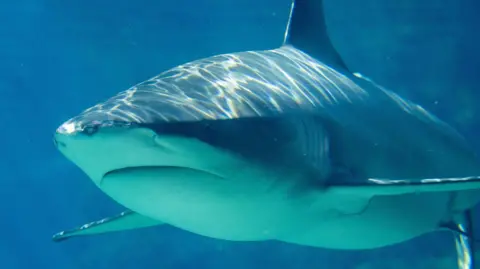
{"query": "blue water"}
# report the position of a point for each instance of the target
(60, 57)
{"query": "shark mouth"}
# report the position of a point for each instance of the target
(134, 169)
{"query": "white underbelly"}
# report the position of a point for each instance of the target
(261, 209)
(386, 220)
(203, 203)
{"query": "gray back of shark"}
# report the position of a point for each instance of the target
(372, 131)
(300, 104)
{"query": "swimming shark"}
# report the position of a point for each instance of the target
(285, 144)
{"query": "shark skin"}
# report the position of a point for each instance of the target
(284, 144)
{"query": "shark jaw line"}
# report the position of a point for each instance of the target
(132, 169)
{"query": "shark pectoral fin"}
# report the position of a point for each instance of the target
(375, 187)
(124, 221)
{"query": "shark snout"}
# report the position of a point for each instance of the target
(58, 142)
(62, 140)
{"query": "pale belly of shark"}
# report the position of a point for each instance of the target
(257, 210)
(199, 188)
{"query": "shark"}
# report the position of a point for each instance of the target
(286, 144)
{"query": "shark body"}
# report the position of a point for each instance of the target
(284, 144)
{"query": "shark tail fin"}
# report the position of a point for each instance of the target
(465, 241)
(307, 31)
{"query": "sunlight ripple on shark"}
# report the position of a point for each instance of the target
(284, 144)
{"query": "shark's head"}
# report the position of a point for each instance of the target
(110, 149)
(176, 128)
(162, 154)
(163, 122)
(174, 172)
(232, 104)
(212, 147)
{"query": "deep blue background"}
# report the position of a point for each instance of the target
(60, 57)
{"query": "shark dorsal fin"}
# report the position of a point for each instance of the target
(307, 31)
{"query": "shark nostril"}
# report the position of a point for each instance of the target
(58, 143)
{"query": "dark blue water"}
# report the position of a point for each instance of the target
(59, 57)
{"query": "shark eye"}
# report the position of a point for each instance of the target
(90, 129)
